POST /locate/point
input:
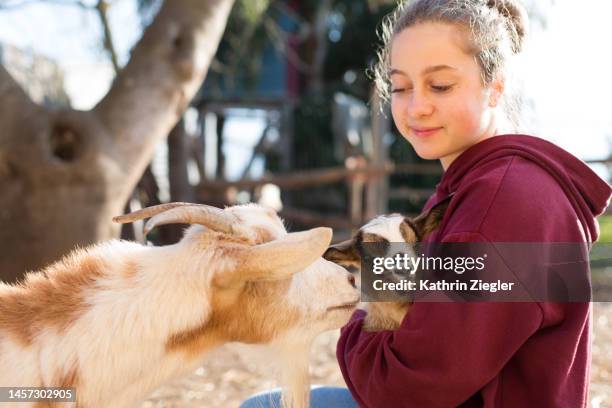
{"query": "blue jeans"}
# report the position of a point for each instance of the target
(320, 397)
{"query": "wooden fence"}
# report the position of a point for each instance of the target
(358, 179)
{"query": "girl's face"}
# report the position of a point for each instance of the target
(439, 103)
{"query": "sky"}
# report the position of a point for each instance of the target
(565, 67)
(568, 70)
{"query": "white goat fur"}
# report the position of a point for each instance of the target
(389, 228)
(118, 319)
(392, 228)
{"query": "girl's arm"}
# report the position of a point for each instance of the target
(443, 353)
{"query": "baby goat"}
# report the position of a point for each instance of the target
(116, 320)
(383, 230)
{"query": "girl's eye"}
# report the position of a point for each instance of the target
(398, 90)
(441, 88)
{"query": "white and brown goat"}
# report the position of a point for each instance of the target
(382, 231)
(116, 320)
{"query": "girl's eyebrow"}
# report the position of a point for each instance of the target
(426, 71)
(436, 68)
(394, 71)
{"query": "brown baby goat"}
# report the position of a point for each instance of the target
(382, 230)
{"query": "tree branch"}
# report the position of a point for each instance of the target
(242, 43)
(109, 46)
(280, 43)
(166, 69)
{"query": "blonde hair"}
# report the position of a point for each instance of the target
(496, 31)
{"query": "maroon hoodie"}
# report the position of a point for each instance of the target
(509, 188)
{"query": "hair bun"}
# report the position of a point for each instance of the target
(517, 17)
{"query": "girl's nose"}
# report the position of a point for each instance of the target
(419, 106)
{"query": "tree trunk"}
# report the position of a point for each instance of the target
(65, 173)
(220, 172)
(178, 159)
(180, 188)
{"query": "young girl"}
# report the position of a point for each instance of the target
(446, 64)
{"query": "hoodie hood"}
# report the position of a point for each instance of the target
(588, 194)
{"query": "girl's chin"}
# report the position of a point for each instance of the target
(426, 151)
(426, 154)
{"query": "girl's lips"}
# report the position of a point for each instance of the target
(424, 132)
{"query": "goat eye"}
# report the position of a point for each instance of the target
(375, 249)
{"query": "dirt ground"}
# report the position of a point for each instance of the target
(601, 372)
(229, 374)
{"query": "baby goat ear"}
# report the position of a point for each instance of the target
(281, 258)
(427, 222)
(344, 253)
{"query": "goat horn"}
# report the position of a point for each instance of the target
(147, 212)
(211, 217)
(182, 213)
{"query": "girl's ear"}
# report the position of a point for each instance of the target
(497, 90)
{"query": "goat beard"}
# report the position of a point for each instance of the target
(292, 351)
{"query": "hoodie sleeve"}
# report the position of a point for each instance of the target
(442, 354)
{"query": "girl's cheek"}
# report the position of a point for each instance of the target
(397, 115)
(468, 118)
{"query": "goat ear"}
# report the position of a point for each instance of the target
(343, 253)
(427, 222)
(283, 257)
